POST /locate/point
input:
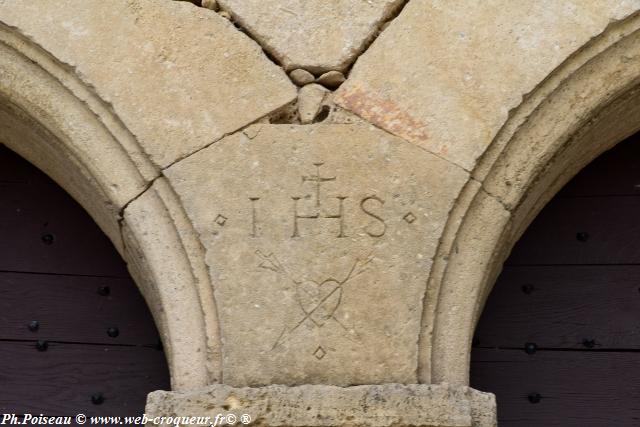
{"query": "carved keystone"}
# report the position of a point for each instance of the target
(319, 274)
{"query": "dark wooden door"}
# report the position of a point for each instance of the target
(559, 338)
(75, 333)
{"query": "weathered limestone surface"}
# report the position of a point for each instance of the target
(322, 405)
(305, 254)
(446, 73)
(315, 35)
(319, 241)
(178, 76)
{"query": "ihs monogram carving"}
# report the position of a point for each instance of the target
(314, 209)
(319, 297)
(319, 241)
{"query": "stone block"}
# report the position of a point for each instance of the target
(319, 241)
(178, 76)
(445, 74)
(323, 405)
(318, 36)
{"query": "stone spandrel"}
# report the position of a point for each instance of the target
(446, 73)
(178, 76)
(318, 36)
(319, 241)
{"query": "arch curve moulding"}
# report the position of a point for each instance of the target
(55, 121)
(583, 108)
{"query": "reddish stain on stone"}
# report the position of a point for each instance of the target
(384, 113)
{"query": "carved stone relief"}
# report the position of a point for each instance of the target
(319, 241)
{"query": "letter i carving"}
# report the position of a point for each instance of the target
(340, 215)
(254, 216)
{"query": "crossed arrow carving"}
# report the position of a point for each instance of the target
(318, 300)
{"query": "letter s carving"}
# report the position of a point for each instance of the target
(374, 233)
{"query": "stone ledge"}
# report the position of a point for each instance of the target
(324, 405)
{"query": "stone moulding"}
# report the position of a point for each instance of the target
(163, 260)
(68, 132)
(324, 405)
(584, 108)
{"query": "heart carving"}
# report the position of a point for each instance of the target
(319, 301)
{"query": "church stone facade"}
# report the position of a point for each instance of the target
(315, 198)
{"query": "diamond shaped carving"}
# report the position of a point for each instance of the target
(319, 353)
(221, 220)
(315, 35)
(409, 218)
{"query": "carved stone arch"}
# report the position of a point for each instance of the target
(145, 146)
(583, 108)
(57, 122)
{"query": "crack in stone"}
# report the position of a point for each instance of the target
(288, 114)
(136, 197)
(284, 115)
(381, 27)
